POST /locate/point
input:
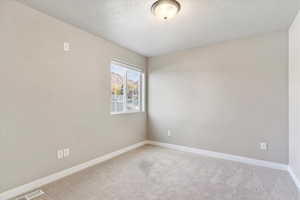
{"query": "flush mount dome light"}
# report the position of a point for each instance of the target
(165, 9)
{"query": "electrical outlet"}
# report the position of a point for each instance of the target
(169, 133)
(66, 152)
(264, 146)
(60, 154)
(66, 46)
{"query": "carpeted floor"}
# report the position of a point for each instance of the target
(154, 173)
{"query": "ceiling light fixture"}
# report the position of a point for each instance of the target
(165, 9)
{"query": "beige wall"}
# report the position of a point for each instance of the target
(51, 99)
(226, 98)
(294, 79)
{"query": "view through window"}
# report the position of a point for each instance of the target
(127, 86)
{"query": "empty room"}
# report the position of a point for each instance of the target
(149, 99)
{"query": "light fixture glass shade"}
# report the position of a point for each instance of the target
(165, 9)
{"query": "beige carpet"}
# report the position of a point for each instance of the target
(154, 173)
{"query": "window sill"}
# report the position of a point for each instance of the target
(124, 113)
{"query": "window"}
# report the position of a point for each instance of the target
(127, 88)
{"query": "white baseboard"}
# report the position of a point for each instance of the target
(224, 156)
(48, 179)
(293, 175)
(246, 160)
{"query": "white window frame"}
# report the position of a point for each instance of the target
(142, 88)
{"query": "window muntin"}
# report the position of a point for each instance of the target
(127, 89)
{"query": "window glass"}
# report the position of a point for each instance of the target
(117, 87)
(127, 89)
(133, 90)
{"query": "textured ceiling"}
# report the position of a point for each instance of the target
(130, 23)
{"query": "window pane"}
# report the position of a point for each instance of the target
(126, 89)
(117, 88)
(133, 90)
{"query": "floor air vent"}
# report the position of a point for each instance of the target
(31, 195)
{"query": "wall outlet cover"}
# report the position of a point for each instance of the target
(60, 154)
(66, 46)
(169, 133)
(264, 146)
(66, 152)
